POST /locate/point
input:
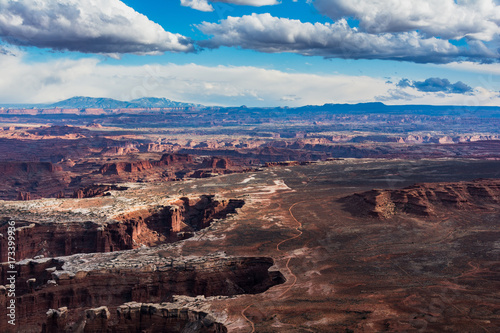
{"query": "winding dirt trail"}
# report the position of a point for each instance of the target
(369, 246)
(247, 319)
(299, 226)
(287, 265)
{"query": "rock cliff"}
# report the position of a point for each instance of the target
(152, 226)
(73, 287)
(426, 199)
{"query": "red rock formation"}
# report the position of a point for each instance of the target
(59, 131)
(24, 196)
(135, 317)
(22, 168)
(156, 148)
(427, 199)
(217, 163)
(30, 180)
(118, 151)
(173, 159)
(96, 191)
(122, 167)
(132, 230)
(74, 293)
(119, 168)
(201, 174)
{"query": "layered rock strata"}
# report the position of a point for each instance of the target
(426, 199)
(151, 226)
(68, 287)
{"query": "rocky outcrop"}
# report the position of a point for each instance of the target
(421, 139)
(169, 224)
(427, 199)
(217, 163)
(78, 291)
(24, 196)
(18, 168)
(119, 168)
(155, 147)
(135, 317)
(118, 151)
(153, 226)
(286, 163)
(95, 191)
(30, 180)
(175, 159)
(60, 131)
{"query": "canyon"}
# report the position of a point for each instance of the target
(184, 218)
(145, 227)
(265, 247)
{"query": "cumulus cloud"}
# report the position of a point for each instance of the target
(266, 33)
(201, 5)
(449, 19)
(88, 26)
(205, 6)
(435, 84)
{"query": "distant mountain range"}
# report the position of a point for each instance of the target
(381, 108)
(80, 102)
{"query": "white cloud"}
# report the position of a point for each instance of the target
(449, 19)
(88, 26)
(205, 6)
(266, 33)
(255, 3)
(490, 69)
(201, 5)
(220, 85)
(51, 81)
(480, 97)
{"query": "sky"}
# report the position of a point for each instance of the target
(252, 52)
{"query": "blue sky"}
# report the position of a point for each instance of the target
(272, 53)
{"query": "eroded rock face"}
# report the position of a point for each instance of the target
(217, 163)
(169, 224)
(30, 180)
(122, 167)
(23, 168)
(73, 287)
(427, 199)
(95, 191)
(157, 225)
(24, 196)
(119, 168)
(135, 317)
